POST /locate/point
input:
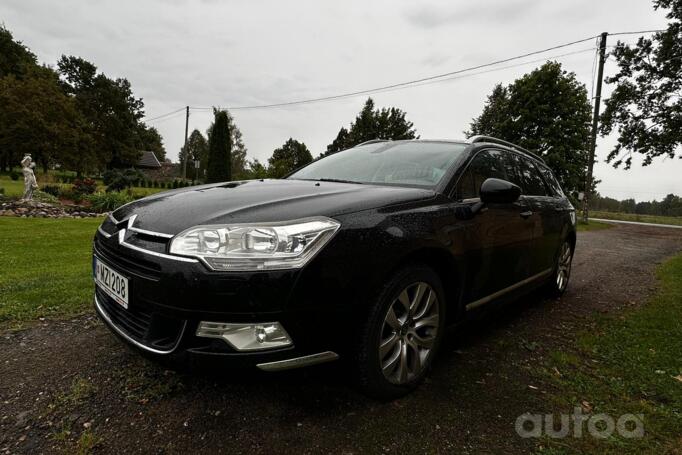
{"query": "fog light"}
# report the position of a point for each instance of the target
(246, 337)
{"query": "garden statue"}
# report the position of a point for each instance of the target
(30, 183)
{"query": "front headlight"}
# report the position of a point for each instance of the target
(257, 246)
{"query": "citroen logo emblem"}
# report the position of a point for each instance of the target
(129, 226)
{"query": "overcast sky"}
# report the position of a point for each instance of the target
(227, 53)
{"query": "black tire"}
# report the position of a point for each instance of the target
(412, 341)
(556, 286)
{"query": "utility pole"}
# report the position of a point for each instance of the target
(184, 162)
(595, 125)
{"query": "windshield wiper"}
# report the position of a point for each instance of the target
(337, 181)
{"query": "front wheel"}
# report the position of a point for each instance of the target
(400, 338)
(562, 270)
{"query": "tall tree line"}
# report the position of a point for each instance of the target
(671, 205)
(73, 116)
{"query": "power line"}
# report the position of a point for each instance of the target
(165, 119)
(164, 115)
(416, 82)
(461, 76)
(404, 84)
(445, 79)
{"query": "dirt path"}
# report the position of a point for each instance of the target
(65, 381)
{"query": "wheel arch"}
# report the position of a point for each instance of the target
(571, 237)
(448, 269)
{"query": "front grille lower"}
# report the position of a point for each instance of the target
(142, 324)
(118, 257)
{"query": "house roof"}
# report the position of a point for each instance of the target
(148, 160)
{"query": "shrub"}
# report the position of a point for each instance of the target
(14, 175)
(41, 196)
(2, 191)
(71, 195)
(117, 180)
(175, 184)
(111, 200)
(84, 186)
(54, 190)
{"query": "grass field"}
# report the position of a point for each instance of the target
(12, 187)
(655, 219)
(45, 268)
(15, 188)
(630, 364)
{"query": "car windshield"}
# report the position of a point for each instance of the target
(395, 163)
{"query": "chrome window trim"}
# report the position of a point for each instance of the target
(501, 292)
(133, 341)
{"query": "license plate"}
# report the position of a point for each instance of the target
(111, 282)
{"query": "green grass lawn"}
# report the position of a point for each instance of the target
(45, 268)
(655, 219)
(631, 364)
(13, 188)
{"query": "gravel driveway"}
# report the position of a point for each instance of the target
(70, 384)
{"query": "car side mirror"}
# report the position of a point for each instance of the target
(497, 191)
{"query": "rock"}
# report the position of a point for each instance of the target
(22, 418)
(34, 209)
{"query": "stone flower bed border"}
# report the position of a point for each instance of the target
(35, 209)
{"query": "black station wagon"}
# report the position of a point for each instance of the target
(366, 255)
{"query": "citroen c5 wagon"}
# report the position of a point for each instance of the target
(366, 255)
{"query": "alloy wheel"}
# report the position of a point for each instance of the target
(563, 266)
(409, 332)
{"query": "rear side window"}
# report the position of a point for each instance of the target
(551, 181)
(514, 167)
(486, 164)
(526, 175)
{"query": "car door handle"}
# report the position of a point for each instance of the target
(526, 214)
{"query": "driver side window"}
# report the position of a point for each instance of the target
(486, 164)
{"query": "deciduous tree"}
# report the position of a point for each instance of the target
(149, 140)
(288, 157)
(546, 111)
(645, 108)
(38, 118)
(371, 123)
(15, 58)
(197, 150)
(110, 109)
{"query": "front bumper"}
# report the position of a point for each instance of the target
(169, 299)
(271, 360)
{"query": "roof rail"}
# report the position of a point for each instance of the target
(494, 140)
(372, 141)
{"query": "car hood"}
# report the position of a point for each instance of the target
(260, 201)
